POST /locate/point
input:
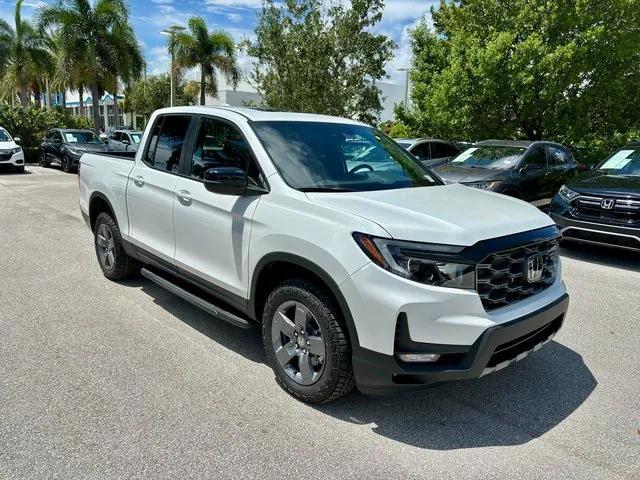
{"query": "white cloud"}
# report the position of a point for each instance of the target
(235, 3)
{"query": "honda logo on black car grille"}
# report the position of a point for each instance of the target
(535, 268)
(608, 203)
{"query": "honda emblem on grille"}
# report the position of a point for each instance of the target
(535, 268)
(607, 203)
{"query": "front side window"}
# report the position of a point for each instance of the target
(623, 162)
(81, 137)
(557, 156)
(318, 156)
(166, 142)
(442, 150)
(422, 151)
(220, 144)
(492, 157)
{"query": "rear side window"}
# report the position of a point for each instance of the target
(557, 156)
(116, 136)
(166, 142)
(421, 151)
(442, 150)
(536, 156)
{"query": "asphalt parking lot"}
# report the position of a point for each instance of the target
(106, 380)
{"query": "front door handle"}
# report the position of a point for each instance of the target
(184, 195)
(138, 180)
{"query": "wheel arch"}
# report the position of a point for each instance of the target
(99, 203)
(278, 266)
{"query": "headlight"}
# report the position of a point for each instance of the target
(567, 194)
(75, 151)
(420, 262)
(16, 150)
(484, 185)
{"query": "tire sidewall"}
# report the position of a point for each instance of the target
(323, 314)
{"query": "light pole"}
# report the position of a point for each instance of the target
(406, 86)
(170, 32)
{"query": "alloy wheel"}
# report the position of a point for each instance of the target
(298, 343)
(106, 246)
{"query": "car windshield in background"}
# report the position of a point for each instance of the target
(496, 158)
(624, 162)
(136, 137)
(81, 137)
(4, 136)
(316, 156)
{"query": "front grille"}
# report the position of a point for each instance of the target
(4, 156)
(502, 277)
(511, 349)
(624, 211)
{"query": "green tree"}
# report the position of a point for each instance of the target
(146, 96)
(129, 60)
(322, 58)
(526, 69)
(23, 56)
(215, 51)
(90, 33)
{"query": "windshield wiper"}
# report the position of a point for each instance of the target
(325, 189)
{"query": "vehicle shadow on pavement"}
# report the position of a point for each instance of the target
(510, 407)
(602, 255)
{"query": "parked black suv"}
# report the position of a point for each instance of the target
(602, 206)
(531, 171)
(66, 146)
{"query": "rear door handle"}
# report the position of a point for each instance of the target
(138, 180)
(184, 195)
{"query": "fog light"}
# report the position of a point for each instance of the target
(419, 357)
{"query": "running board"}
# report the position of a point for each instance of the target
(196, 300)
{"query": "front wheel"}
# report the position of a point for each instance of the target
(43, 160)
(306, 342)
(66, 164)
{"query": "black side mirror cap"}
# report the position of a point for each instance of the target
(226, 180)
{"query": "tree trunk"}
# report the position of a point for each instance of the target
(95, 100)
(64, 99)
(202, 85)
(47, 97)
(24, 95)
(81, 100)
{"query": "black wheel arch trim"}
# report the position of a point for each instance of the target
(102, 196)
(317, 271)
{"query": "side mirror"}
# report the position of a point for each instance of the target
(226, 180)
(17, 139)
(124, 141)
(529, 167)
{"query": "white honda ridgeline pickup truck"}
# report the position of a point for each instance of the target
(362, 268)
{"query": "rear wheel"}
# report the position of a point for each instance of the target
(306, 343)
(113, 260)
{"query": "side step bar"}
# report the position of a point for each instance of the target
(196, 300)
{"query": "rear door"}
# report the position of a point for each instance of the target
(212, 230)
(151, 186)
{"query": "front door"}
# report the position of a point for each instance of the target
(212, 230)
(533, 169)
(151, 187)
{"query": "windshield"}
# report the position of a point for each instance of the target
(136, 137)
(81, 137)
(623, 162)
(4, 136)
(319, 156)
(496, 158)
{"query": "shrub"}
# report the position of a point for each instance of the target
(31, 124)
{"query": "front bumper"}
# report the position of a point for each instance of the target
(498, 347)
(589, 232)
(16, 160)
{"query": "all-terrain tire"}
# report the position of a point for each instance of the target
(337, 377)
(119, 265)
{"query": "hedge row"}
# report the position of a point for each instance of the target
(31, 124)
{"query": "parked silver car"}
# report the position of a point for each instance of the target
(124, 141)
(430, 151)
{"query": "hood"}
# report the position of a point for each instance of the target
(452, 173)
(448, 214)
(88, 147)
(600, 183)
(8, 145)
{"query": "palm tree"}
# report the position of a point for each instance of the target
(23, 56)
(129, 61)
(210, 51)
(89, 35)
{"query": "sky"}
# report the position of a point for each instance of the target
(238, 17)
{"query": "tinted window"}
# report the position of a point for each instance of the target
(557, 156)
(116, 136)
(57, 136)
(442, 150)
(494, 157)
(314, 156)
(421, 151)
(4, 136)
(220, 144)
(536, 157)
(166, 141)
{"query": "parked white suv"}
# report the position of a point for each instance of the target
(11, 153)
(368, 272)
